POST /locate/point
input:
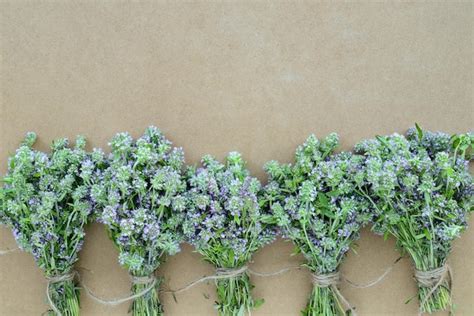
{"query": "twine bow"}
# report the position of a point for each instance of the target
(433, 279)
(331, 280)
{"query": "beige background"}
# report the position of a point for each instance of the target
(215, 77)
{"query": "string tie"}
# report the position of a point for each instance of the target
(433, 279)
(331, 280)
(52, 279)
(225, 273)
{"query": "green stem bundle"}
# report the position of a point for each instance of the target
(439, 300)
(147, 304)
(234, 296)
(434, 289)
(323, 302)
(424, 259)
(65, 297)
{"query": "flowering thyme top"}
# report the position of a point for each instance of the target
(141, 194)
(224, 220)
(421, 190)
(315, 202)
(46, 201)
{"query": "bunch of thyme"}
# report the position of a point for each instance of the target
(314, 203)
(141, 194)
(225, 223)
(421, 192)
(46, 200)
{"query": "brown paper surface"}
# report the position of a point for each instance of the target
(216, 77)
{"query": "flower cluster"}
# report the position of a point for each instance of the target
(225, 223)
(141, 194)
(316, 204)
(421, 191)
(46, 199)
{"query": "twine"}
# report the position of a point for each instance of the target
(142, 279)
(150, 279)
(269, 274)
(331, 280)
(374, 282)
(7, 251)
(221, 273)
(433, 279)
(57, 279)
(325, 280)
(227, 273)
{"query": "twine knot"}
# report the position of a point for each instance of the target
(223, 273)
(326, 280)
(431, 277)
(69, 276)
(331, 280)
(143, 279)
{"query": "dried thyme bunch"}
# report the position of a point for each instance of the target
(142, 205)
(47, 203)
(225, 223)
(421, 190)
(315, 204)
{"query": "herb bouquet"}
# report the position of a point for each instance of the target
(315, 204)
(421, 191)
(141, 194)
(47, 204)
(225, 224)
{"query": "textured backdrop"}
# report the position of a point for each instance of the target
(216, 77)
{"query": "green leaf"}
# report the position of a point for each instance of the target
(410, 299)
(326, 212)
(268, 219)
(427, 233)
(296, 251)
(258, 302)
(323, 206)
(333, 193)
(420, 236)
(420, 131)
(231, 256)
(456, 141)
(323, 200)
(354, 250)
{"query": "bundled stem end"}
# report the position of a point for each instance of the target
(234, 296)
(65, 297)
(439, 300)
(434, 289)
(147, 304)
(324, 302)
